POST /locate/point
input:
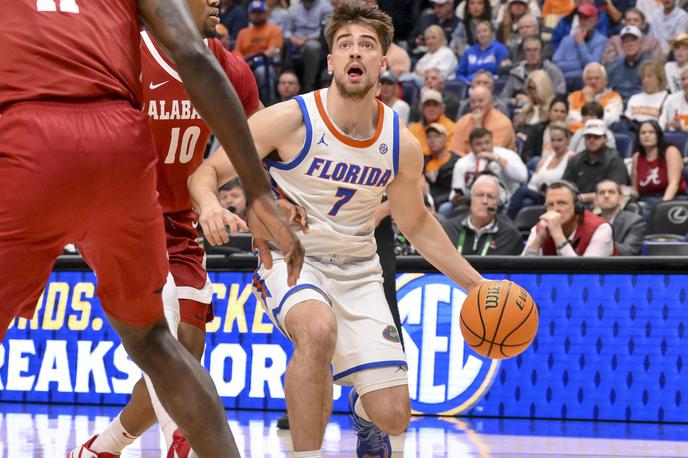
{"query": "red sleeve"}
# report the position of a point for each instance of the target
(240, 75)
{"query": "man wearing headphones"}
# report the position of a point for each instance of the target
(484, 229)
(567, 228)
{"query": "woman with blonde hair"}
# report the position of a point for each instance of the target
(647, 105)
(438, 56)
(540, 93)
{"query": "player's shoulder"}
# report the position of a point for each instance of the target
(408, 142)
(281, 117)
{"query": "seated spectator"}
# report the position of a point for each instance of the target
(483, 78)
(657, 170)
(515, 90)
(648, 104)
(486, 54)
(539, 96)
(648, 43)
(538, 137)
(667, 23)
(673, 69)
(439, 165)
(233, 18)
(442, 14)
(567, 228)
(623, 72)
(438, 56)
(388, 95)
(433, 80)
(484, 229)
(288, 86)
(398, 60)
(508, 16)
(596, 163)
(484, 115)
(232, 197)
(591, 110)
(674, 115)
(549, 169)
(484, 156)
(277, 12)
(628, 228)
(474, 12)
(302, 32)
(431, 110)
(528, 26)
(594, 90)
(571, 24)
(585, 46)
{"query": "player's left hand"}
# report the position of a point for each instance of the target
(215, 222)
(295, 214)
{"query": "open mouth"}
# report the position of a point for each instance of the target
(354, 72)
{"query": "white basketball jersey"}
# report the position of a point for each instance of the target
(338, 180)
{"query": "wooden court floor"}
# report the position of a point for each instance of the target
(51, 431)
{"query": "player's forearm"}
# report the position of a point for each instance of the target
(203, 184)
(428, 237)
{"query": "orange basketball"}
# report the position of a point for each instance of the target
(499, 319)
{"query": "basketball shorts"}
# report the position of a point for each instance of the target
(80, 173)
(366, 335)
(187, 266)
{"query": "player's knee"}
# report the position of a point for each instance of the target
(395, 419)
(318, 338)
(145, 344)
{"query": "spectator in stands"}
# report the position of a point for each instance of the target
(388, 94)
(232, 197)
(514, 91)
(433, 80)
(288, 86)
(668, 22)
(443, 16)
(573, 23)
(586, 45)
(596, 163)
(277, 12)
(483, 78)
(657, 170)
(594, 90)
(484, 229)
(484, 115)
(549, 169)
(438, 56)
(567, 228)
(233, 17)
(674, 115)
(484, 156)
(511, 13)
(538, 141)
(628, 228)
(591, 110)
(475, 12)
(431, 110)
(648, 104)
(302, 32)
(623, 72)
(538, 97)
(648, 8)
(673, 69)
(439, 164)
(486, 54)
(648, 43)
(398, 60)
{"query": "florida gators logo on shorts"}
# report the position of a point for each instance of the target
(457, 378)
(390, 333)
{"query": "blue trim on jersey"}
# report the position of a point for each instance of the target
(299, 288)
(395, 148)
(306, 145)
(363, 367)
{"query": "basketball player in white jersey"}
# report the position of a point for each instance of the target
(335, 152)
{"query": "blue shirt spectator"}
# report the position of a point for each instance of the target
(585, 46)
(572, 21)
(234, 17)
(486, 54)
(306, 19)
(623, 72)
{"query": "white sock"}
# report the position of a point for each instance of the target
(308, 454)
(167, 425)
(360, 410)
(114, 439)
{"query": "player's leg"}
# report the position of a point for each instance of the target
(389, 408)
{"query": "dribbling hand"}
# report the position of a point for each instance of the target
(295, 214)
(215, 222)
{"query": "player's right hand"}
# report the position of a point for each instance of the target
(215, 222)
(295, 214)
(268, 225)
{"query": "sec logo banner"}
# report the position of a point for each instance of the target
(445, 376)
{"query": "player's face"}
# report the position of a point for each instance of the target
(607, 196)
(648, 136)
(206, 15)
(356, 60)
(560, 200)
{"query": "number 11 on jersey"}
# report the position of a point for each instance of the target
(344, 195)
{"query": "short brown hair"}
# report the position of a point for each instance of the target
(358, 12)
(656, 68)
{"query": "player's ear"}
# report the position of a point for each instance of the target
(383, 65)
(330, 66)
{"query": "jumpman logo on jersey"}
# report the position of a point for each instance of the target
(322, 140)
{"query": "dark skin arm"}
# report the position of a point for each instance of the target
(218, 104)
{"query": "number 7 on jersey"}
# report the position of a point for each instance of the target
(344, 195)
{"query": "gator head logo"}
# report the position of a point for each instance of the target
(390, 333)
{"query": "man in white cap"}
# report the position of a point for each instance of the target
(623, 72)
(439, 165)
(431, 110)
(596, 163)
(388, 95)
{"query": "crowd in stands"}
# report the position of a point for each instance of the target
(575, 112)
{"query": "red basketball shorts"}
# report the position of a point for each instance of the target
(82, 173)
(187, 266)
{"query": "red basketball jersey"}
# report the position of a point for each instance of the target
(69, 50)
(180, 133)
